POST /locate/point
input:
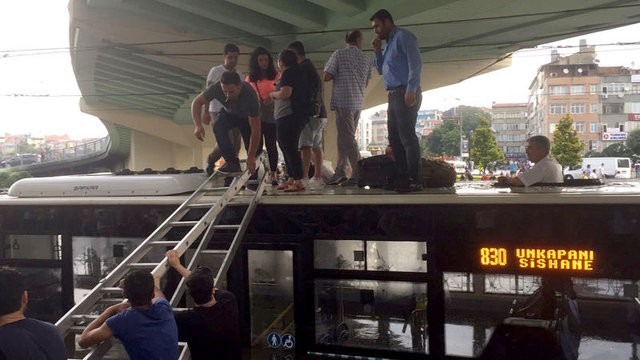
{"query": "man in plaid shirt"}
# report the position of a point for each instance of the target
(350, 71)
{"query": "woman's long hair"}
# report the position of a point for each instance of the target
(255, 72)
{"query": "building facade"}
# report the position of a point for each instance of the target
(509, 121)
(602, 101)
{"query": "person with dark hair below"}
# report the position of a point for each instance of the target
(546, 170)
(241, 110)
(212, 327)
(230, 58)
(400, 66)
(144, 323)
(290, 97)
(22, 337)
(311, 138)
(262, 77)
(350, 70)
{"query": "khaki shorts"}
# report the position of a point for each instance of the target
(311, 135)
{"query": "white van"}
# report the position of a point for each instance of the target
(611, 166)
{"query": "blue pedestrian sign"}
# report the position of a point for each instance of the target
(274, 340)
(288, 341)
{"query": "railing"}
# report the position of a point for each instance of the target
(81, 150)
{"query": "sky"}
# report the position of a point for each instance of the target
(34, 61)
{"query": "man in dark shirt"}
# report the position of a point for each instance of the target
(240, 103)
(22, 337)
(211, 328)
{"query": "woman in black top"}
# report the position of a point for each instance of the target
(289, 98)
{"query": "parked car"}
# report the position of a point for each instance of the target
(20, 159)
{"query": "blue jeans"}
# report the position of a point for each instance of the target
(401, 123)
(223, 124)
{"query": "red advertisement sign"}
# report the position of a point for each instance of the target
(634, 117)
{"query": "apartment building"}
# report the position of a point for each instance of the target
(602, 101)
(509, 121)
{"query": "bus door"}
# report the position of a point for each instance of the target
(270, 278)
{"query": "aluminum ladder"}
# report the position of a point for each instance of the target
(150, 253)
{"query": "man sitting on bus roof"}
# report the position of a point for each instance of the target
(545, 171)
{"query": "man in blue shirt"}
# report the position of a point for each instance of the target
(400, 65)
(144, 323)
(22, 337)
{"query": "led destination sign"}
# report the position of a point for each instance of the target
(538, 259)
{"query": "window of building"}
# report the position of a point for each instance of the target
(593, 127)
(612, 108)
(558, 90)
(593, 89)
(579, 127)
(577, 89)
(635, 89)
(552, 127)
(632, 107)
(577, 108)
(594, 108)
(612, 88)
(559, 109)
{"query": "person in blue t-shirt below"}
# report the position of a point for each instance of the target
(23, 338)
(144, 323)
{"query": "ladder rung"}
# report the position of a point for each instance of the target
(202, 205)
(183, 223)
(214, 252)
(212, 189)
(84, 317)
(142, 265)
(111, 290)
(223, 227)
(111, 300)
(77, 329)
(164, 243)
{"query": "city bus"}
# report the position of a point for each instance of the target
(440, 274)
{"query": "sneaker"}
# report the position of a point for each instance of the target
(349, 182)
(336, 180)
(209, 168)
(230, 167)
(316, 184)
(210, 165)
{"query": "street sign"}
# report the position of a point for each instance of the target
(614, 136)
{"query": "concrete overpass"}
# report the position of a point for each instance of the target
(140, 63)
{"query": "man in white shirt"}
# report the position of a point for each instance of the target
(546, 170)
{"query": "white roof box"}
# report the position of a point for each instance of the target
(107, 185)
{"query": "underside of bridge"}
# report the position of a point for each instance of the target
(139, 63)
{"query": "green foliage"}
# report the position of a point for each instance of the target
(443, 140)
(567, 148)
(471, 117)
(617, 150)
(8, 177)
(24, 148)
(633, 141)
(484, 148)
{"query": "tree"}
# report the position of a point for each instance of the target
(617, 150)
(484, 148)
(567, 148)
(443, 140)
(470, 117)
(633, 141)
